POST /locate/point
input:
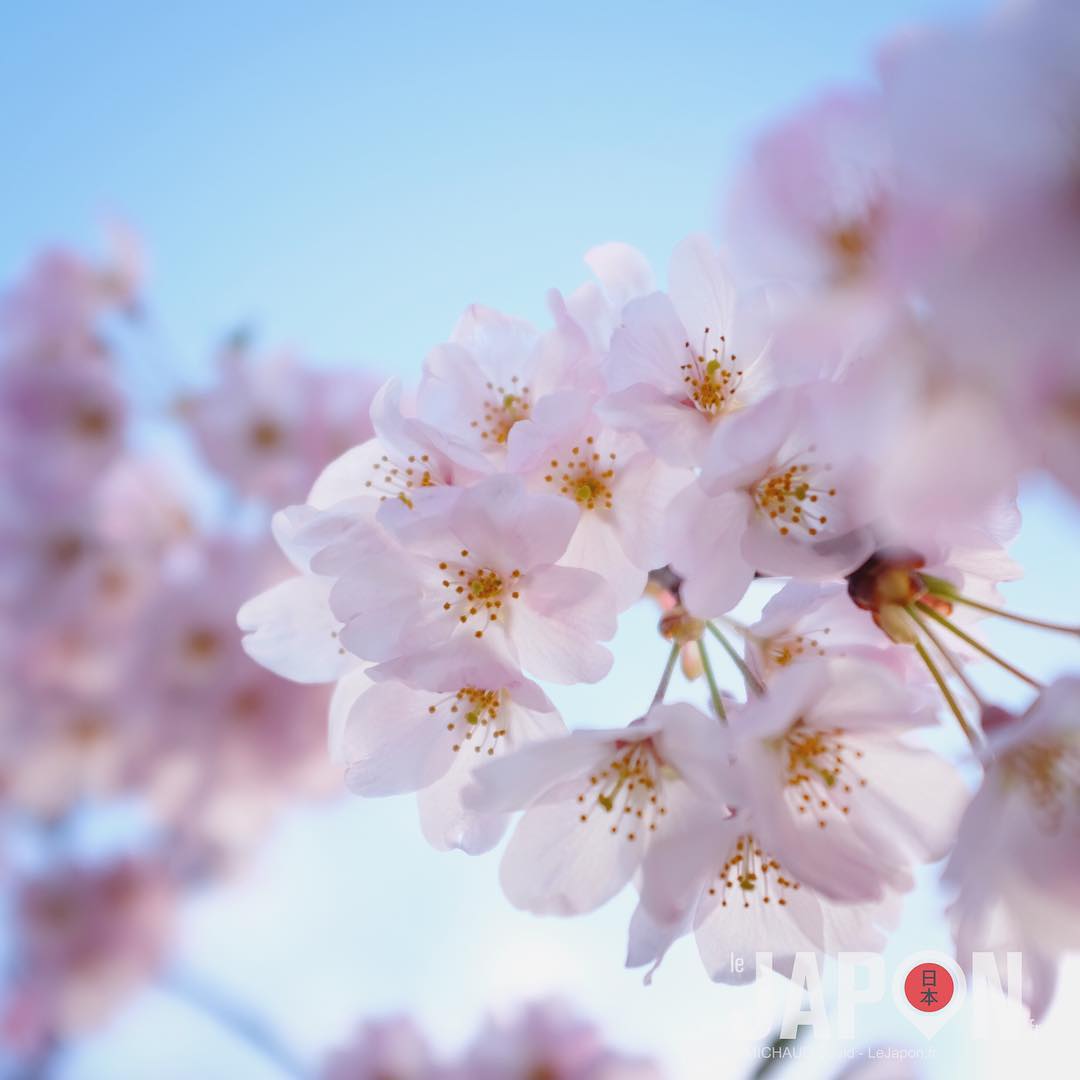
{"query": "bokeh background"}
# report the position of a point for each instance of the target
(346, 177)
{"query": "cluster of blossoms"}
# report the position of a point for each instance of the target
(843, 398)
(543, 1040)
(124, 688)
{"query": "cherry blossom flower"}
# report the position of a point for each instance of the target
(485, 570)
(683, 360)
(269, 426)
(807, 621)
(59, 746)
(62, 427)
(393, 1047)
(406, 471)
(461, 709)
(621, 489)
(834, 787)
(778, 493)
(1008, 335)
(812, 847)
(943, 85)
(546, 1040)
(813, 204)
(87, 938)
(1016, 866)
(490, 375)
(715, 879)
(594, 800)
(229, 742)
(622, 274)
(52, 315)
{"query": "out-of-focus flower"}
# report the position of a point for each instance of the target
(224, 743)
(87, 938)
(382, 1049)
(1000, 293)
(1016, 865)
(813, 206)
(269, 426)
(547, 1040)
(61, 426)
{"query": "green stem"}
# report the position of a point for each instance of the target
(753, 683)
(714, 689)
(943, 686)
(950, 659)
(665, 678)
(978, 645)
(1041, 624)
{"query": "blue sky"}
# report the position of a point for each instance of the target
(347, 177)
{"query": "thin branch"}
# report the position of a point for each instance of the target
(238, 1021)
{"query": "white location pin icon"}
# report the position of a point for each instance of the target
(929, 988)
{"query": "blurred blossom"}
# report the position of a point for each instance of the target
(87, 938)
(547, 1040)
(844, 397)
(1017, 858)
(384, 1048)
(544, 1040)
(269, 425)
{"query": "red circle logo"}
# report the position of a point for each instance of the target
(928, 987)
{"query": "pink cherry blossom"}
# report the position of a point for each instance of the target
(1016, 866)
(62, 427)
(485, 570)
(594, 801)
(394, 1047)
(778, 493)
(804, 622)
(229, 742)
(404, 467)
(52, 315)
(833, 785)
(547, 1040)
(87, 938)
(715, 879)
(490, 375)
(683, 360)
(268, 426)
(459, 711)
(620, 488)
(813, 204)
(622, 274)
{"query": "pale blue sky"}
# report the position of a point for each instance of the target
(349, 176)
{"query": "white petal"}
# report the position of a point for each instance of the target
(291, 630)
